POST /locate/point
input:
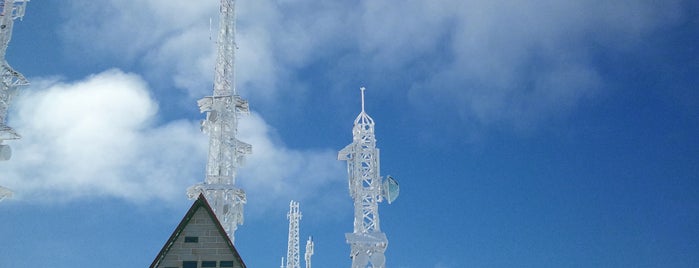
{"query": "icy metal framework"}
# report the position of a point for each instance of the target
(226, 152)
(309, 251)
(367, 242)
(10, 80)
(292, 253)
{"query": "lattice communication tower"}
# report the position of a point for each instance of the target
(292, 253)
(367, 242)
(309, 251)
(226, 152)
(10, 80)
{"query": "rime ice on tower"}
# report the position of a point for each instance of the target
(309, 251)
(292, 253)
(226, 152)
(367, 242)
(10, 80)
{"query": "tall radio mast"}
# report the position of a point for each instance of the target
(10, 80)
(367, 242)
(226, 152)
(309, 251)
(292, 253)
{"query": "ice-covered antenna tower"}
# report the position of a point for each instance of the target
(11, 80)
(309, 251)
(367, 242)
(226, 152)
(292, 253)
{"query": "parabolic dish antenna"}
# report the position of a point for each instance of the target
(391, 189)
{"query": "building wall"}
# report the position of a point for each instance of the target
(201, 242)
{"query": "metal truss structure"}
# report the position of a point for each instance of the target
(367, 242)
(226, 152)
(292, 253)
(10, 80)
(309, 251)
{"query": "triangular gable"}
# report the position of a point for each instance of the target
(198, 204)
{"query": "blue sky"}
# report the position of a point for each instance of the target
(523, 133)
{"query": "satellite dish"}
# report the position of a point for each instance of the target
(391, 189)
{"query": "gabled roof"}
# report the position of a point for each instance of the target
(198, 204)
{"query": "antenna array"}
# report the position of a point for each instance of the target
(367, 242)
(226, 152)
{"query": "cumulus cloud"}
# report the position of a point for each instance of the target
(101, 137)
(89, 138)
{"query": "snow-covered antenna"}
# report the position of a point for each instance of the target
(367, 242)
(226, 152)
(10, 80)
(362, 90)
(292, 253)
(309, 251)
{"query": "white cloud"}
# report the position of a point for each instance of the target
(174, 40)
(125, 30)
(505, 61)
(488, 61)
(99, 137)
(89, 138)
(274, 174)
(169, 38)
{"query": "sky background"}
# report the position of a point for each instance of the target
(523, 133)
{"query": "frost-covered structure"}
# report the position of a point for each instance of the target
(309, 251)
(293, 259)
(367, 242)
(226, 152)
(292, 253)
(10, 80)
